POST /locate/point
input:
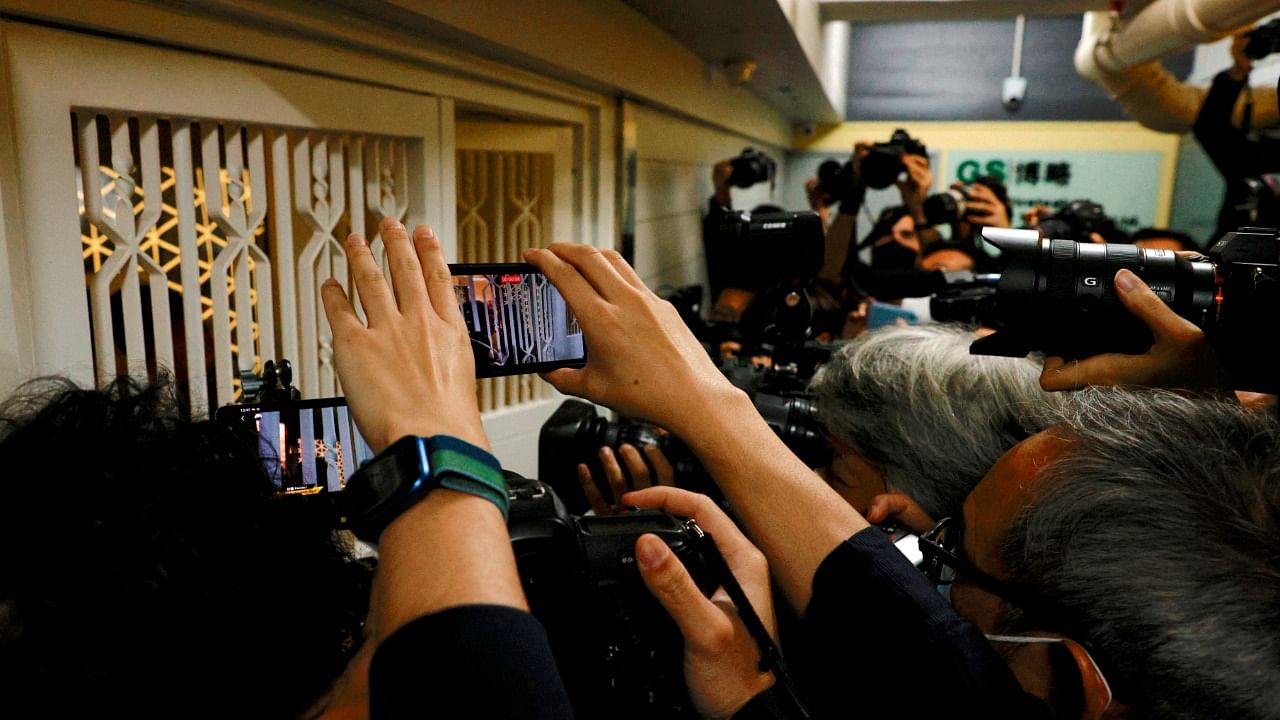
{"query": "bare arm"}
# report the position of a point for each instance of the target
(451, 548)
(645, 363)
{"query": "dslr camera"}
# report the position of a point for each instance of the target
(1055, 296)
(884, 163)
(575, 432)
(1263, 41)
(618, 651)
(752, 167)
(1077, 220)
(879, 168)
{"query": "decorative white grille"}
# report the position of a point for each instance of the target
(505, 202)
(229, 271)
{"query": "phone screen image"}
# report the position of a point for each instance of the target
(517, 320)
(306, 446)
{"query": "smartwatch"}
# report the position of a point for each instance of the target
(403, 473)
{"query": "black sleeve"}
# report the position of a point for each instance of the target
(772, 704)
(878, 640)
(1224, 143)
(489, 660)
(713, 247)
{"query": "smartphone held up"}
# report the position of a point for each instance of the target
(517, 320)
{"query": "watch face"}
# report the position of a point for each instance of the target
(384, 486)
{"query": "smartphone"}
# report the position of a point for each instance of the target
(883, 314)
(307, 446)
(518, 321)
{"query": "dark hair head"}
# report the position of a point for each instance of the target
(1150, 233)
(884, 224)
(1158, 534)
(146, 564)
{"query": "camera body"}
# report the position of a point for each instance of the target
(1056, 296)
(1263, 41)
(752, 167)
(883, 164)
(619, 653)
(947, 207)
(575, 432)
(1077, 220)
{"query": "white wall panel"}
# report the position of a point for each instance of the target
(673, 183)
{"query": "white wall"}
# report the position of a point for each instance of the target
(674, 158)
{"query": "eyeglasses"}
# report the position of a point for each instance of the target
(943, 563)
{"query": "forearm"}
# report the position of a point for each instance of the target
(449, 549)
(839, 237)
(790, 513)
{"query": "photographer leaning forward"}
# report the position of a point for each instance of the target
(1241, 157)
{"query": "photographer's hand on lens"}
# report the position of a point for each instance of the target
(1180, 358)
(663, 474)
(1032, 217)
(721, 659)
(984, 208)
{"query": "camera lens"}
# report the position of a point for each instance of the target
(1059, 294)
(946, 207)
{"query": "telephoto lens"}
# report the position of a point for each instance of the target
(1057, 296)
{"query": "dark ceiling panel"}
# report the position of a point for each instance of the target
(953, 70)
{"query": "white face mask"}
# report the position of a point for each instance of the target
(1085, 664)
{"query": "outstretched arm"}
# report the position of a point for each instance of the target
(646, 363)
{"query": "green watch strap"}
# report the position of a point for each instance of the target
(461, 466)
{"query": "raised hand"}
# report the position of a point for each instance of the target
(410, 370)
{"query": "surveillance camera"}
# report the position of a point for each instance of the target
(1013, 93)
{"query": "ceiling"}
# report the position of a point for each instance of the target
(914, 10)
(722, 30)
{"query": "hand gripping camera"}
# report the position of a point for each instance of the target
(1056, 296)
(619, 653)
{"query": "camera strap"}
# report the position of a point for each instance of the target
(770, 656)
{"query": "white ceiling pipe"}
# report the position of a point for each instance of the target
(1126, 66)
(1167, 26)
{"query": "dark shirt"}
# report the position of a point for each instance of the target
(877, 641)
(880, 641)
(718, 256)
(1234, 153)
(479, 661)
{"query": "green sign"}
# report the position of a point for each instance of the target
(1125, 184)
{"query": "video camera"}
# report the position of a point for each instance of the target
(1077, 219)
(1055, 296)
(1263, 41)
(752, 167)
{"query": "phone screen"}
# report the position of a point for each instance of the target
(306, 446)
(517, 320)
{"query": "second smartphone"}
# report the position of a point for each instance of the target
(517, 320)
